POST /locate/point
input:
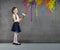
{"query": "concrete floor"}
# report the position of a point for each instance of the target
(30, 46)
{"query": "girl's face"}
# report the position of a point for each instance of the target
(15, 11)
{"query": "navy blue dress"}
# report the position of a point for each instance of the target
(16, 27)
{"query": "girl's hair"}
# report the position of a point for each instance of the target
(13, 9)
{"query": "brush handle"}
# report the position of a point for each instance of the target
(23, 14)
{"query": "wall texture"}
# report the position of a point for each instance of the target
(44, 28)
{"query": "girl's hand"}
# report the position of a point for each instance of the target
(21, 17)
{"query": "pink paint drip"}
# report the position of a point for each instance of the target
(25, 3)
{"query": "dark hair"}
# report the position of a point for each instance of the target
(13, 9)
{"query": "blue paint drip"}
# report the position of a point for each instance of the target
(43, 10)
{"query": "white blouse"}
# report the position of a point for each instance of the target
(16, 18)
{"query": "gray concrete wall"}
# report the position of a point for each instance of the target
(44, 28)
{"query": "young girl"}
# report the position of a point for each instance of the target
(16, 27)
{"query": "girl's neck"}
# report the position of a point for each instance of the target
(15, 13)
